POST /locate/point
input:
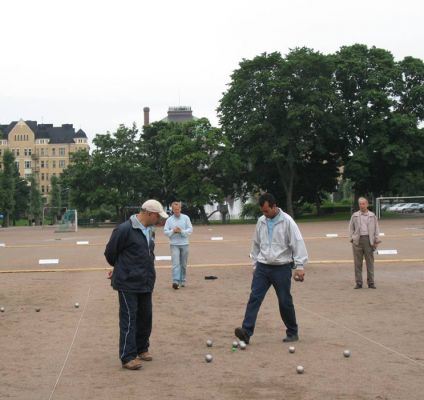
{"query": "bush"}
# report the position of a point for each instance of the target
(250, 210)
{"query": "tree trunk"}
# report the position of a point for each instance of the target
(203, 215)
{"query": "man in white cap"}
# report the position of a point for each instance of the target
(130, 251)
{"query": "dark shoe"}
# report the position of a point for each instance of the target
(175, 286)
(133, 364)
(242, 335)
(291, 338)
(371, 286)
(358, 286)
(146, 356)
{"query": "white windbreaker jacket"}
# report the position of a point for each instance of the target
(287, 243)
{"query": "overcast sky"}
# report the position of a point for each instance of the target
(96, 64)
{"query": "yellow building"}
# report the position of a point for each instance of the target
(42, 150)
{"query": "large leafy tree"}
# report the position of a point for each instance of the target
(55, 199)
(116, 174)
(383, 107)
(22, 191)
(282, 117)
(196, 162)
(8, 186)
(35, 208)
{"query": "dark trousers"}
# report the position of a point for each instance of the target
(135, 324)
(278, 276)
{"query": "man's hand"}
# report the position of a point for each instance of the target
(177, 229)
(109, 274)
(299, 275)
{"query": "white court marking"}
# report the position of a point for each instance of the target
(329, 235)
(217, 238)
(72, 343)
(2, 244)
(382, 234)
(82, 242)
(363, 336)
(49, 261)
(163, 258)
(385, 252)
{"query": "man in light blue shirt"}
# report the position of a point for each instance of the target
(178, 228)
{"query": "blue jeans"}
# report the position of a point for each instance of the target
(278, 276)
(135, 324)
(179, 256)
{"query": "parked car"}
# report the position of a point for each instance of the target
(395, 207)
(414, 207)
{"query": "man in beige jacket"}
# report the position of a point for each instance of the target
(365, 237)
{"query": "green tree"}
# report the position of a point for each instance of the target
(196, 162)
(22, 191)
(35, 202)
(116, 174)
(282, 117)
(55, 199)
(383, 107)
(8, 185)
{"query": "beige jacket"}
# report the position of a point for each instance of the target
(373, 229)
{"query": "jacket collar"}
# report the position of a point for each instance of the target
(280, 217)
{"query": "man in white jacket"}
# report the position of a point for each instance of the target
(278, 249)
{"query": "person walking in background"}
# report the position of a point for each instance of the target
(277, 249)
(130, 251)
(178, 228)
(364, 235)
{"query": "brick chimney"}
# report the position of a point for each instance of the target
(146, 115)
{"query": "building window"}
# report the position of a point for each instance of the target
(17, 164)
(29, 152)
(27, 164)
(42, 164)
(61, 151)
(47, 164)
(54, 152)
(61, 163)
(42, 189)
(47, 177)
(25, 152)
(42, 152)
(42, 176)
(17, 152)
(47, 188)
(54, 163)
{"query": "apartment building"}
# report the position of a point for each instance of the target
(42, 150)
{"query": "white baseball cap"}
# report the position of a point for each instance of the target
(154, 206)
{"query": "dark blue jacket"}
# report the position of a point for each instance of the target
(132, 258)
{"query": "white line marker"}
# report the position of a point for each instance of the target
(217, 238)
(70, 347)
(332, 235)
(49, 261)
(382, 234)
(2, 244)
(382, 252)
(83, 242)
(163, 258)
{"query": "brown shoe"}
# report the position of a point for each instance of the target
(133, 364)
(146, 356)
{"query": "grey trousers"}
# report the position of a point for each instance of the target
(363, 249)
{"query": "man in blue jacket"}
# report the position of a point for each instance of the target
(178, 228)
(131, 253)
